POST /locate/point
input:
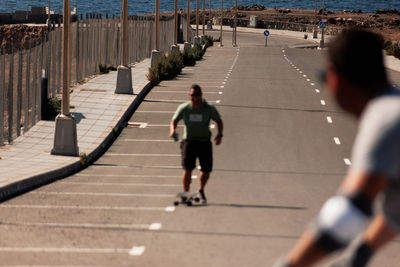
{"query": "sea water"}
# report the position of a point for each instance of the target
(138, 7)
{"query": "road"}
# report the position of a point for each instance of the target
(285, 149)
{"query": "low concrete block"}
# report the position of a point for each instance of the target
(155, 55)
(187, 46)
(174, 49)
(124, 80)
(197, 40)
(65, 137)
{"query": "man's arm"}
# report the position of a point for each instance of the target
(220, 127)
(172, 127)
(360, 189)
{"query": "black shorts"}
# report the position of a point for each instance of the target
(197, 149)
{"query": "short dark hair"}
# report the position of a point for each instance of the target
(196, 87)
(356, 55)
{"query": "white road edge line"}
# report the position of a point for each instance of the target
(143, 155)
(347, 161)
(329, 119)
(104, 194)
(120, 184)
(65, 250)
(86, 207)
(127, 175)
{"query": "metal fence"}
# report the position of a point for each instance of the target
(94, 42)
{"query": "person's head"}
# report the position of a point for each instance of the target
(195, 95)
(356, 70)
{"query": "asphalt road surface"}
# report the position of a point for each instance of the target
(285, 149)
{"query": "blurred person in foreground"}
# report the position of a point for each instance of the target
(357, 79)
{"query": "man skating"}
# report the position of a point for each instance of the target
(196, 115)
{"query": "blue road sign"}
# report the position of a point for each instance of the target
(323, 24)
(266, 33)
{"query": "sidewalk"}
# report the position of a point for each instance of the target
(27, 162)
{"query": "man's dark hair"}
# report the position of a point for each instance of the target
(196, 87)
(356, 54)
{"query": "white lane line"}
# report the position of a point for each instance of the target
(136, 124)
(155, 111)
(304, 75)
(194, 176)
(143, 155)
(187, 69)
(148, 140)
(337, 140)
(223, 82)
(347, 161)
(173, 100)
(141, 166)
(317, 91)
(120, 184)
(116, 208)
(153, 227)
(308, 80)
(220, 87)
(163, 125)
(312, 84)
(137, 251)
(128, 175)
(183, 92)
(220, 93)
(323, 102)
(300, 71)
(103, 194)
(66, 250)
(170, 209)
(218, 101)
(329, 119)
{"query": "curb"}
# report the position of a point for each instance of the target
(20, 187)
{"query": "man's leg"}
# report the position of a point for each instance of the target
(186, 179)
(204, 176)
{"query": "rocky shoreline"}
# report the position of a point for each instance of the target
(386, 22)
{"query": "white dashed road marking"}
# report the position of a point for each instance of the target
(347, 161)
(137, 251)
(337, 140)
(323, 102)
(329, 119)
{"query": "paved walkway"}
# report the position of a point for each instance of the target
(97, 110)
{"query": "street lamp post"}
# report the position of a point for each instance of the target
(222, 13)
(187, 44)
(175, 47)
(204, 16)
(197, 18)
(65, 138)
(235, 25)
(155, 53)
(124, 74)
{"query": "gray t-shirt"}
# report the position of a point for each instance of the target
(377, 146)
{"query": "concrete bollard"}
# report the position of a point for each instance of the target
(124, 80)
(315, 34)
(197, 40)
(174, 49)
(155, 56)
(209, 25)
(187, 46)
